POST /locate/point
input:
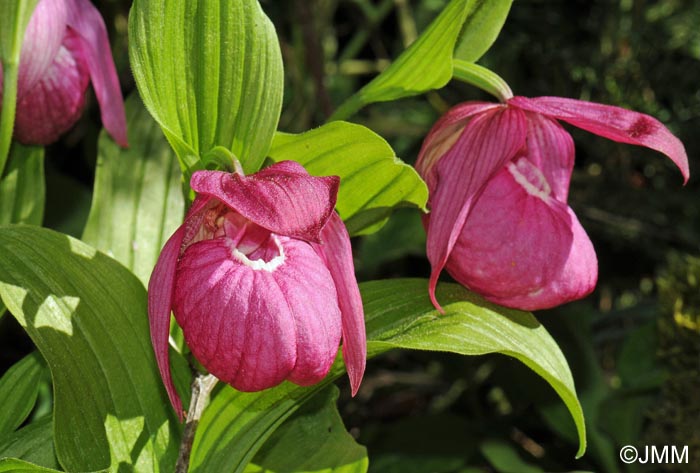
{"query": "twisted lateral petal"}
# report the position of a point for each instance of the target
(160, 296)
(56, 100)
(444, 134)
(336, 251)
(487, 143)
(521, 247)
(87, 22)
(283, 198)
(254, 328)
(42, 40)
(551, 149)
(615, 123)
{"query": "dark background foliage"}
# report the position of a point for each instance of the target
(632, 345)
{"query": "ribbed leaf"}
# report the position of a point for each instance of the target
(22, 187)
(427, 63)
(87, 315)
(481, 28)
(210, 72)
(398, 315)
(33, 443)
(372, 179)
(312, 440)
(137, 202)
(19, 387)
(15, 465)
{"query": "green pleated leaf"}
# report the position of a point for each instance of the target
(210, 72)
(312, 440)
(33, 443)
(15, 465)
(481, 28)
(22, 187)
(427, 63)
(87, 315)
(398, 314)
(19, 387)
(137, 202)
(373, 180)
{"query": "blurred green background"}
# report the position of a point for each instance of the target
(633, 345)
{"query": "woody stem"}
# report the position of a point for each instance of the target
(201, 388)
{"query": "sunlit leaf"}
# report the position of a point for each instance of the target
(398, 315)
(210, 72)
(137, 202)
(427, 63)
(87, 315)
(373, 180)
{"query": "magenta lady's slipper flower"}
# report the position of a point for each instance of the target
(260, 278)
(65, 47)
(499, 177)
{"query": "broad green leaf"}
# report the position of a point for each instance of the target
(22, 187)
(87, 315)
(505, 459)
(13, 23)
(312, 440)
(137, 202)
(481, 28)
(33, 443)
(372, 179)
(19, 387)
(210, 72)
(15, 465)
(398, 314)
(427, 63)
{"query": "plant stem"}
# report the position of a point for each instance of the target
(7, 112)
(201, 388)
(483, 78)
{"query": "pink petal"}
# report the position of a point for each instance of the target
(42, 40)
(444, 134)
(336, 251)
(487, 143)
(521, 247)
(254, 328)
(87, 22)
(283, 198)
(551, 149)
(615, 123)
(160, 296)
(56, 100)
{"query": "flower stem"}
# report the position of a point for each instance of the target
(201, 388)
(483, 78)
(7, 112)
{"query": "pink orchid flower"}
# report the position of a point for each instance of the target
(260, 278)
(499, 177)
(65, 47)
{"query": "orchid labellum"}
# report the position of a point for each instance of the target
(499, 177)
(65, 47)
(260, 278)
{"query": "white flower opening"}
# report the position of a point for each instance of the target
(260, 264)
(530, 178)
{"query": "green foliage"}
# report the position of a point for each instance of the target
(19, 387)
(137, 203)
(210, 73)
(398, 315)
(372, 179)
(32, 443)
(312, 440)
(87, 315)
(22, 188)
(427, 63)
